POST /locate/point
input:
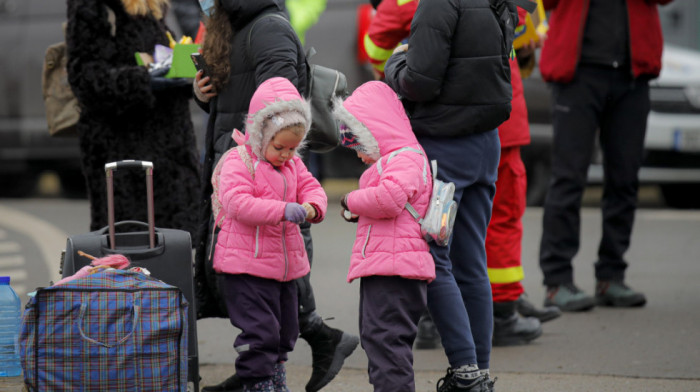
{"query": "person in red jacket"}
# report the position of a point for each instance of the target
(389, 26)
(598, 60)
(505, 230)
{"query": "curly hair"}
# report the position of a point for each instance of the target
(216, 48)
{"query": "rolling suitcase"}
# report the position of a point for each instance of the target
(166, 253)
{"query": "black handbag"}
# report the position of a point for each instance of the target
(322, 86)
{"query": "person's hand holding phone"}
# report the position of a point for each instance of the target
(203, 88)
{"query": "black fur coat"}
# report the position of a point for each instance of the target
(123, 118)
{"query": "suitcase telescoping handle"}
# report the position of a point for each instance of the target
(130, 164)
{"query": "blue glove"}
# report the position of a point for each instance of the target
(294, 213)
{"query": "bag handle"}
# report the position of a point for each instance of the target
(135, 314)
(110, 168)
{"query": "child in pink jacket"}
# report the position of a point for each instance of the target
(389, 255)
(265, 191)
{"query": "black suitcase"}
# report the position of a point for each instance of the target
(166, 253)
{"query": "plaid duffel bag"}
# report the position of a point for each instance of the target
(110, 331)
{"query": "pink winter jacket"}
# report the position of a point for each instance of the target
(254, 238)
(388, 240)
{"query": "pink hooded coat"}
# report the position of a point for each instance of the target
(388, 240)
(254, 238)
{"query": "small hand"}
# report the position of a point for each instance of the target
(295, 213)
(401, 48)
(310, 211)
(345, 212)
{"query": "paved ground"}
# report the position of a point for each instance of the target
(655, 348)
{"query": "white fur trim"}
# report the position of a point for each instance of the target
(260, 134)
(364, 136)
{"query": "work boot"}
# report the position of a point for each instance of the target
(510, 329)
(427, 337)
(329, 348)
(618, 294)
(231, 384)
(454, 382)
(261, 386)
(528, 309)
(279, 378)
(568, 298)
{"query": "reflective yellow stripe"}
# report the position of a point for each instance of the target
(375, 52)
(506, 275)
(402, 2)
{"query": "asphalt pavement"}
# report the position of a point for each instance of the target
(654, 348)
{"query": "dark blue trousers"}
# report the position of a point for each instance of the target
(265, 311)
(459, 299)
(611, 101)
(390, 307)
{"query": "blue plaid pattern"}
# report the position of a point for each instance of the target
(111, 331)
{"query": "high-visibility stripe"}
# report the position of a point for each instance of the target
(402, 2)
(506, 275)
(375, 52)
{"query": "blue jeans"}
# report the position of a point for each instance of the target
(459, 299)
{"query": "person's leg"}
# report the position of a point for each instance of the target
(329, 346)
(622, 141)
(390, 307)
(503, 250)
(575, 117)
(289, 332)
(254, 308)
(468, 250)
(460, 301)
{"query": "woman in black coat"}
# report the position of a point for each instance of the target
(127, 114)
(242, 50)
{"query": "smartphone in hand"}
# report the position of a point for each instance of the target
(199, 63)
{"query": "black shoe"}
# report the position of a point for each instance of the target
(428, 337)
(528, 309)
(618, 294)
(510, 329)
(231, 384)
(568, 298)
(329, 348)
(451, 383)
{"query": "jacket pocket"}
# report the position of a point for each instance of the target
(364, 246)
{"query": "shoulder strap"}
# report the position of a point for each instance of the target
(527, 5)
(380, 169)
(246, 159)
(255, 22)
(408, 205)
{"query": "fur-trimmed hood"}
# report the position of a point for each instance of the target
(376, 116)
(276, 104)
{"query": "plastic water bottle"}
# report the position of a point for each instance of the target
(10, 319)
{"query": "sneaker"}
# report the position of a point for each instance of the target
(329, 348)
(618, 294)
(427, 337)
(451, 383)
(528, 309)
(568, 298)
(231, 384)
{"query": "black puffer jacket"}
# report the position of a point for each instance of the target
(275, 50)
(123, 118)
(455, 77)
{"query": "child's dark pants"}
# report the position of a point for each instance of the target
(265, 310)
(390, 307)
